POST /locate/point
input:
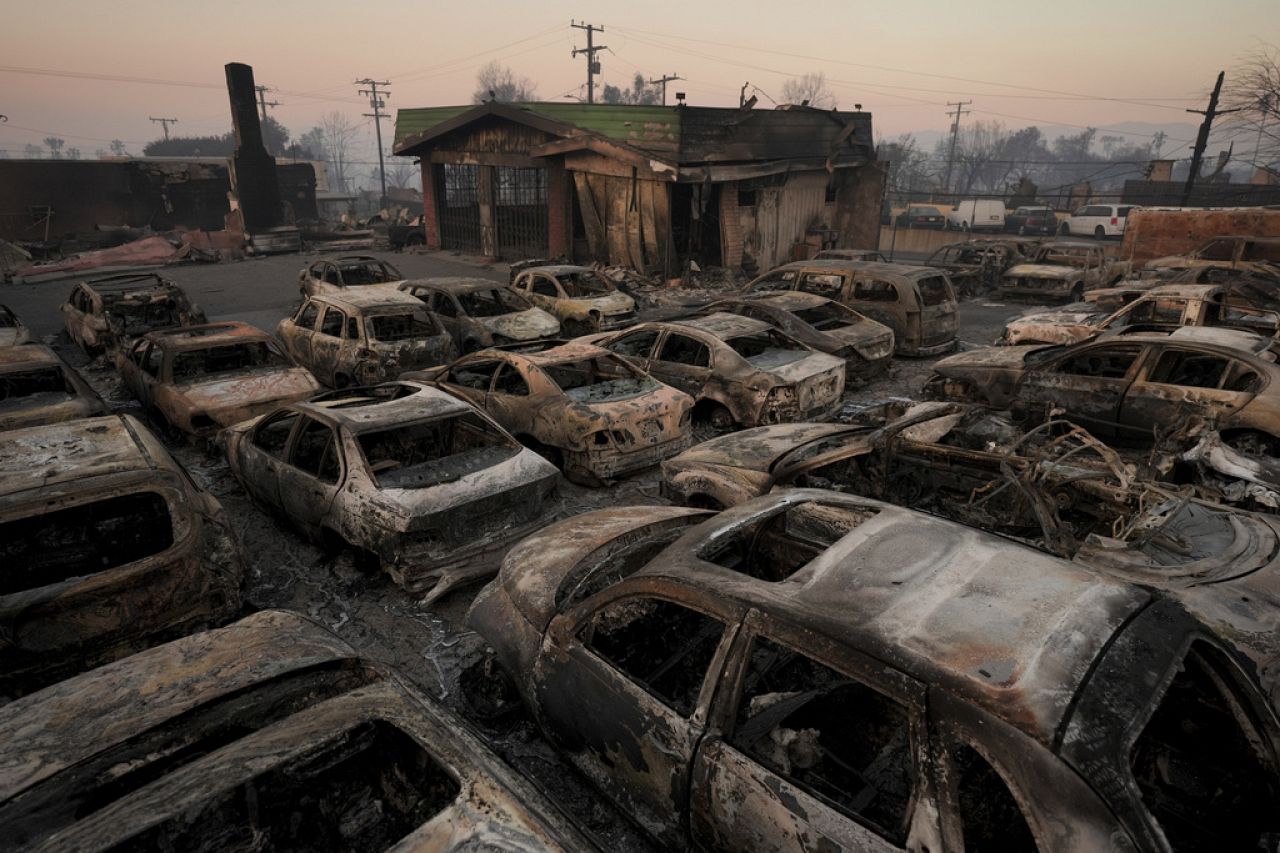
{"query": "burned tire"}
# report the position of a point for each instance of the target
(487, 690)
(703, 501)
(711, 419)
(341, 380)
(1100, 233)
(1077, 293)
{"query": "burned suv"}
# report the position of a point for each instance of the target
(1063, 269)
(103, 314)
(106, 547)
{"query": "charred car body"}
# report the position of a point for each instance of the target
(103, 314)
(741, 371)
(12, 330)
(1130, 386)
(975, 266)
(203, 378)
(814, 664)
(479, 313)
(361, 337)
(850, 255)
(581, 298)
(348, 271)
(107, 547)
(824, 324)
(420, 480)
(1063, 269)
(38, 387)
(588, 411)
(1247, 254)
(269, 734)
(917, 303)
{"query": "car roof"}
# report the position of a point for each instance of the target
(453, 284)
(71, 451)
(114, 285)
(565, 353)
(1009, 627)
(558, 269)
(788, 300)
(24, 356)
(1187, 291)
(1237, 340)
(1069, 244)
(879, 267)
(723, 325)
(207, 335)
(361, 411)
(369, 298)
(352, 259)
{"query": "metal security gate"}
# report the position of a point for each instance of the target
(458, 199)
(520, 212)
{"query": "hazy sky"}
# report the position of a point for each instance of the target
(1021, 62)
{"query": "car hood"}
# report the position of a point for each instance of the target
(1061, 326)
(759, 448)
(867, 337)
(13, 335)
(1041, 271)
(798, 369)
(522, 325)
(471, 483)
(986, 358)
(611, 303)
(232, 399)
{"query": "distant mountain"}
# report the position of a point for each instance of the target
(1179, 136)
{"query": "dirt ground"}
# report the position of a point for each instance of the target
(429, 646)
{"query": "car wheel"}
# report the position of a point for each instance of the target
(1100, 232)
(341, 380)
(1077, 293)
(704, 501)
(1065, 230)
(710, 420)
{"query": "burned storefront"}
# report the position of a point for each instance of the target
(650, 187)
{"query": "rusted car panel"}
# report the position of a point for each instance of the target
(424, 482)
(480, 313)
(1165, 308)
(38, 387)
(106, 547)
(347, 271)
(1131, 386)
(740, 370)
(824, 324)
(104, 314)
(917, 303)
(201, 379)
(1063, 269)
(588, 411)
(1244, 253)
(730, 658)
(581, 298)
(269, 734)
(12, 330)
(362, 336)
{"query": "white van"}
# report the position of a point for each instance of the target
(977, 214)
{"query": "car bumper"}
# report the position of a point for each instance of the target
(608, 463)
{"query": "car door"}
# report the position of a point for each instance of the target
(624, 682)
(508, 401)
(297, 340)
(446, 309)
(326, 345)
(543, 291)
(878, 298)
(683, 361)
(1178, 381)
(263, 454)
(310, 479)
(1089, 382)
(149, 364)
(636, 346)
(810, 747)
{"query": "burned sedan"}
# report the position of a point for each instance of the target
(975, 266)
(203, 378)
(588, 411)
(479, 313)
(1131, 386)
(38, 387)
(347, 271)
(811, 664)
(741, 371)
(12, 330)
(582, 299)
(106, 547)
(269, 734)
(427, 485)
(103, 314)
(1063, 269)
(824, 324)
(361, 337)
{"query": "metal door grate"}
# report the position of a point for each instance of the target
(458, 194)
(520, 212)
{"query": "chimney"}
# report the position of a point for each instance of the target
(253, 170)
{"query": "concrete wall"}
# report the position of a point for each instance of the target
(916, 240)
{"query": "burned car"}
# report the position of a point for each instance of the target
(824, 324)
(38, 387)
(1129, 386)
(585, 409)
(1162, 308)
(1243, 253)
(269, 734)
(812, 664)
(103, 314)
(203, 378)
(423, 482)
(479, 313)
(917, 303)
(581, 298)
(107, 547)
(12, 330)
(741, 371)
(361, 337)
(337, 274)
(975, 266)
(1063, 269)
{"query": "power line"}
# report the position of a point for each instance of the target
(663, 81)
(593, 65)
(165, 122)
(375, 101)
(264, 103)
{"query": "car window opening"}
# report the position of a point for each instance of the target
(768, 350)
(623, 558)
(777, 546)
(599, 379)
(361, 274)
(28, 383)
(82, 540)
(137, 318)
(583, 285)
(491, 303)
(400, 327)
(933, 290)
(232, 358)
(422, 455)
(823, 317)
(991, 819)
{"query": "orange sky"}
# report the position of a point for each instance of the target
(902, 62)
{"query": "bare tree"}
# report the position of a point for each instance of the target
(1253, 88)
(337, 132)
(32, 151)
(73, 153)
(55, 146)
(811, 88)
(400, 173)
(117, 148)
(639, 93)
(496, 82)
(908, 166)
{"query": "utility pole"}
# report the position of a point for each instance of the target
(742, 95)
(955, 132)
(664, 80)
(1202, 138)
(264, 103)
(593, 66)
(166, 122)
(1157, 142)
(376, 102)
